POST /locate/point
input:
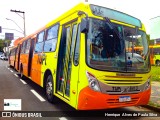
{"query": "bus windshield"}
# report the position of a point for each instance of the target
(114, 47)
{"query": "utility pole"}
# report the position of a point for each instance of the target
(17, 12)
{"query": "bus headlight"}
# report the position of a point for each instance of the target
(93, 82)
(147, 83)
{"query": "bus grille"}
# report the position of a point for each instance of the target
(123, 82)
(116, 101)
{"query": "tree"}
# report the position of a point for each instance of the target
(3, 43)
(148, 38)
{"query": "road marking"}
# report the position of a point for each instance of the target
(38, 96)
(11, 70)
(16, 75)
(23, 81)
(63, 118)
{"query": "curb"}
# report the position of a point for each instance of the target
(152, 108)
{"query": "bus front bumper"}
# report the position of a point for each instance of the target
(91, 100)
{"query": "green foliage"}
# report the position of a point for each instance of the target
(154, 104)
(3, 43)
(148, 38)
(151, 42)
(155, 71)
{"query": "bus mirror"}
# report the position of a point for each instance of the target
(84, 25)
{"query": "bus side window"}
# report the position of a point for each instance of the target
(28, 46)
(77, 48)
(23, 47)
(39, 44)
(51, 39)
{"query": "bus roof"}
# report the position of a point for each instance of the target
(79, 7)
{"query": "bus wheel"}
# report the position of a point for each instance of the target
(49, 89)
(157, 63)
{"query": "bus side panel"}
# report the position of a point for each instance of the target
(152, 60)
(151, 56)
(11, 60)
(155, 54)
(83, 82)
(36, 69)
(25, 64)
(49, 63)
(156, 58)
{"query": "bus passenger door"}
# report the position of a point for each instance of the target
(30, 56)
(18, 56)
(67, 71)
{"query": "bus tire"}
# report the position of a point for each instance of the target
(158, 63)
(49, 89)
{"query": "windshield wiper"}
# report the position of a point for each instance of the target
(136, 28)
(118, 35)
(112, 27)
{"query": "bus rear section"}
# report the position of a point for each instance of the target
(12, 57)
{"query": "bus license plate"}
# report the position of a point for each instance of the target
(124, 98)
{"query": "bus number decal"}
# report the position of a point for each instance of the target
(116, 89)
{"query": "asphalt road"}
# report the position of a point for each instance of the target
(11, 87)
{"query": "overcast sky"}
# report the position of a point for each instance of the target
(40, 12)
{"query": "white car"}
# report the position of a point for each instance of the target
(3, 57)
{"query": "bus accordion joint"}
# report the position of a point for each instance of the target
(41, 57)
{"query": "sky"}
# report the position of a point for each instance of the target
(39, 12)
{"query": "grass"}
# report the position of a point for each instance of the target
(155, 71)
(154, 104)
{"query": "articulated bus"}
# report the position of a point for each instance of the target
(155, 55)
(86, 58)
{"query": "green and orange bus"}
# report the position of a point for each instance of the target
(155, 54)
(86, 58)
